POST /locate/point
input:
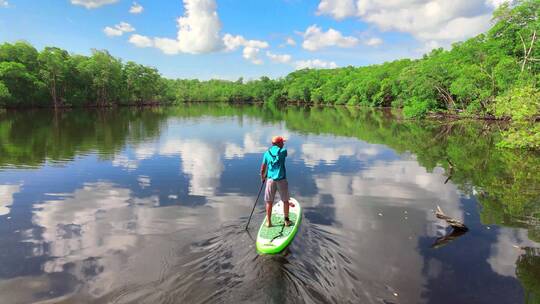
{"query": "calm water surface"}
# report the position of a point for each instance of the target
(148, 206)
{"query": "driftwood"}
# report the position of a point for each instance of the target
(451, 221)
(458, 228)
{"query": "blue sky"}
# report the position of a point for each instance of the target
(232, 38)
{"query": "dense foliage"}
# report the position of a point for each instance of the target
(54, 77)
(495, 73)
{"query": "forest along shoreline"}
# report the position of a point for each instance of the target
(493, 75)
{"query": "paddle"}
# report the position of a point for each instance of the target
(262, 184)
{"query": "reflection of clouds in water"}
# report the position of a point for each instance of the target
(122, 160)
(202, 151)
(145, 150)
(407, 180)
(315, 154)
(200, 160)
(257, 141)
(252, 143)
(6, 197)
(503, 253)
(94, 231)
(372, 203)
(144, 181)
(107, 239)
(202, 155)
(75, 225)
(400, 181)
(93, 223)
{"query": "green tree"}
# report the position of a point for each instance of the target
(105, 73)
(53, 69)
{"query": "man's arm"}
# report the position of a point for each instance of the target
(263, 171)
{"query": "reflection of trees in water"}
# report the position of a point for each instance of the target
(528, 273)
(503, 180)
(28, 138)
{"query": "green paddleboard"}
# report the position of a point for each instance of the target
(271, 240)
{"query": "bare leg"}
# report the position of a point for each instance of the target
(269, 214)
(286, 212)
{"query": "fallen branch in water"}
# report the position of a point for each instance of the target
(451, 221)
(458, 229)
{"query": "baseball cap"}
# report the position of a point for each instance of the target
(278, 139)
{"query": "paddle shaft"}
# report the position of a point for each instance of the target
(260, 190)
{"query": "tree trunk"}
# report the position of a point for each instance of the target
(527, 52)
(53, 92)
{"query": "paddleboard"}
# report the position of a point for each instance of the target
(272, 240)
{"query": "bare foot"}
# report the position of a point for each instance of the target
(268, 224)
(287, 223)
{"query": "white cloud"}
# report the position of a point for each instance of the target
(290, 41)
(111, 31)
(141, 41)
(373, 41)
(125, 27)
(459, 28)
(280, 58)
(4, 3)
(315, 39)
(234, 42)
(89, 4)
(198, 30)
(251, 49)
(339, 9)
(119, 29)
(199, 27)
(315, 64)
(136, 8)
(167, 45)
(250, 54)
(441, 20)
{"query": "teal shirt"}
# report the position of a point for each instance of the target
(275, 162)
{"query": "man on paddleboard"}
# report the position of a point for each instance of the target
(273, 170)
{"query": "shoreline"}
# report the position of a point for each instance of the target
(429, 116)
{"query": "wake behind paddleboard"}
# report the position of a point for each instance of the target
(271, 240)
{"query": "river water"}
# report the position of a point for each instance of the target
(149, 205)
